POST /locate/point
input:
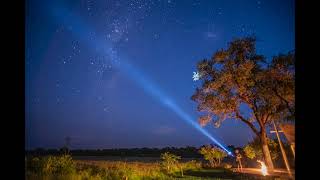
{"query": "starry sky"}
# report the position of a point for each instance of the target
(102, 72)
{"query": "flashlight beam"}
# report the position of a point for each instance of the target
(82, 31)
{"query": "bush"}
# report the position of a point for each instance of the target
(89, 170)
(119, 172)
(253, 149)
(58, 165)
(34, 165)
(249, 151)
(213, 154)
(226, 166)
(170, 162)
(52, 165)
(191, 165)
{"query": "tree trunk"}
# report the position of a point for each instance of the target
(213, 163)
(265, 150)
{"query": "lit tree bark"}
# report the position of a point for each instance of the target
(265, 150)
(263, 139)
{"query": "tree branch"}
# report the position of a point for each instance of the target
(252, 105)
(248, 123)
(283, 99)
(256, 113)
(267, 118)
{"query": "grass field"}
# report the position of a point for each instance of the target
(64, 168)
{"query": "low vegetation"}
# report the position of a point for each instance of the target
(213, 154)
(64, 167)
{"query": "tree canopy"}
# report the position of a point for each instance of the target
(239, 77)
(237, 83)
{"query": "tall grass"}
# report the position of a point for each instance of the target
(65, 168)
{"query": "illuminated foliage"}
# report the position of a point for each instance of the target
(238, 78)
(169, 161)
(249, 152)
(213, 154)
(52, 165)
(253, 149)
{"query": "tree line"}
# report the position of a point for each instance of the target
(188, 151)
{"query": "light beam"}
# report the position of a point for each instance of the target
(82, 31)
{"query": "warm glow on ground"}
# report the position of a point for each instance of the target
(264, 170)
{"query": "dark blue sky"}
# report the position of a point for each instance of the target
(99, 71)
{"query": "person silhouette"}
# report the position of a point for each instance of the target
(238, 160)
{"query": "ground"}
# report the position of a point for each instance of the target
(65, 167)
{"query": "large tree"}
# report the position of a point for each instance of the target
(237, 83)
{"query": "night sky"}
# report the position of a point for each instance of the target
(103, 72)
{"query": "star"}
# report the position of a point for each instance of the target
(196, 76)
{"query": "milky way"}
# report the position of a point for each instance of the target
(77, 86)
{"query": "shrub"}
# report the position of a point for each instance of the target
(51, 165)
(191, 165)
(117, 172)
(227, 166)
(33, 165)
(89, 170)
(169, 162)
(253, 149)
(213, 154)
(249, 152)
(58, 165)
